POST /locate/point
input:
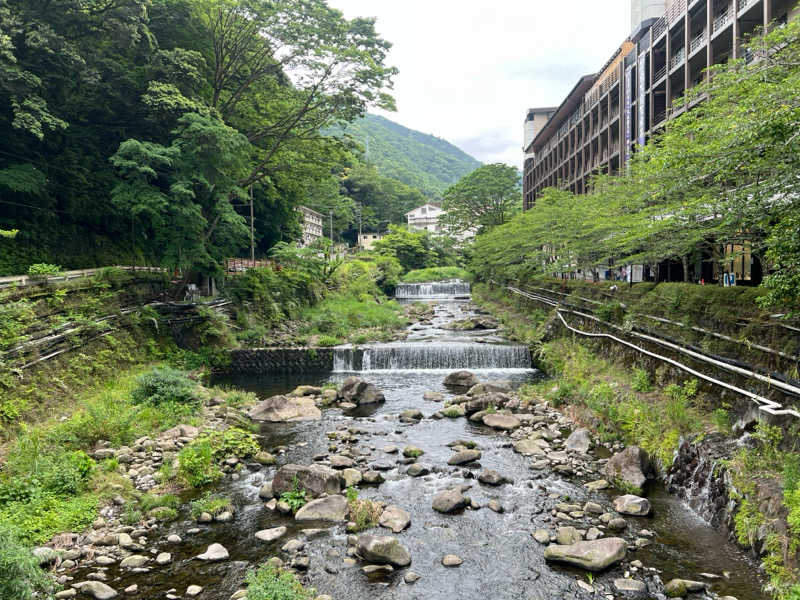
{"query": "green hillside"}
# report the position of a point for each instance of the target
(420, 160)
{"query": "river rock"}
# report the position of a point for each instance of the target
(464, 457)
(632, 505)
(383, 550)
(592, 556)
(566, 536)
(433, 396)
(449, 501)
(451, 560)
(358, 391)
(629, 467)
(411, 577)
(265, 491)
(412, 452)
(45, 555)
(163, 558)
(193, 590)
(264, 458)
(488, 387)
(215, 552)
(133, 562)
(341, 462)
(279, 409)
(269, 535)
(314, 479)
(528, 447)
(394, 518)
(351, 477)
(417, 470)
(411, 416)
(305, 390)
(373, 477)
(490, 477)
(485, 401)
(680, 587)
(541, 535)
(331, 508)
(630, 585)
(501, 422)
(461, 379)
(97, 590)
(597, 485)
(579, 441)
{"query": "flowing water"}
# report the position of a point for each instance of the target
(501, 559)
(438, 289)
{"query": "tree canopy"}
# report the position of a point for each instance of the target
(487, 197)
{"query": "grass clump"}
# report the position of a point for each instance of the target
(21, 577)
(164, 385)
(435, 274)
(641, 381)
(270, 583)
(340, 314)
(453, 412)
(196, 465)
(364, 513)
(212, 504)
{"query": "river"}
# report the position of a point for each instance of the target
(501, 559)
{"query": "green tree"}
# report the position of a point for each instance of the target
(411, 249)
(485, 198)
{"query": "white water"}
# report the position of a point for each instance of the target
(408, 356)
(437, 289)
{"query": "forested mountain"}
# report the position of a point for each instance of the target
(418, 159)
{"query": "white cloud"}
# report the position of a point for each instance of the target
(470, 69)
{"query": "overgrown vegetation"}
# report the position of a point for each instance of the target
(270, 583)
(364, 513)
(21, 577)
(295, 498)
(213, 504)
(436, 274)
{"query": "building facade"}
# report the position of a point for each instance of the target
(425, 218)
(367, 240)
(606, 115)
(311, 222)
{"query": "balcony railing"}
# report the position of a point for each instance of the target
(697, 42)
(744, 4)
(721, 20)
(676, 60)
(676, 10)
(659, 27)
(660, 73)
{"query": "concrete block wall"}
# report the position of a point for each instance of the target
(281, 360)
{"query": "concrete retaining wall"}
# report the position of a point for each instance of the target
(282, 360)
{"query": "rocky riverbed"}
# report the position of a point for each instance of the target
(476, 494)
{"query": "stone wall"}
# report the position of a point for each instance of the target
(281, 360)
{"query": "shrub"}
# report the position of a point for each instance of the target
(196, 464)
(163, 385)
(43, 270)
(269, 583)
(678, 407)
(326, 341)
(231, 442)
(641, 381)
(211, 504)
(21, 577)
(435, 274)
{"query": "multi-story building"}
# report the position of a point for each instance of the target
(606, 115)
(425, 218)
(312, 225)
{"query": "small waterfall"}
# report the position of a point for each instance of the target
(407, 356)
(437, 289)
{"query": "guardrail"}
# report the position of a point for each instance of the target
(26, 280)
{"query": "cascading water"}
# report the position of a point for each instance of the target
(407, 356)
(439, 289)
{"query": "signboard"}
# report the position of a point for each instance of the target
(640, 98)
(628, 113)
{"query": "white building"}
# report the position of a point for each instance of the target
(425, 218)
(311, 223)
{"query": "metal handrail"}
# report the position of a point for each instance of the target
(697, 41)
(660, 73)
(722, 20)
(679, 57)
(659, 27)
(675, 10)
(744, 4)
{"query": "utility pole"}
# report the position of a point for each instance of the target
(252, 229)
(358, 204)
(330, 214)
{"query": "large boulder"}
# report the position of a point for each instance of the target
(383, 550)
(593, 556)
(500, 421)
(97, 590)
(461, 379)
(314, 479)
(463, 457)
(484, 401)
(630, 467)
(215, 552)
(676, 588)
(357, 391)
(529, 447)
(632, 505)
(280, 409)
(480, 389)
(394, 518)
(579, 441)
(449, 501)
(331, 508)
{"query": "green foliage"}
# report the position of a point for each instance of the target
(412, 249)
(295, 498)
(270, 583)
(21, 577)
(327, 341)
(489, 196)
(435, 274)
(641, 381)
(340, 314)
(232, 441)
(44, 270)
(196, 464)
(363, 512)
(212, 504)
(721, 419)
(164, 385)
(678, 409)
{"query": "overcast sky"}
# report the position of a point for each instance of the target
(469, 69)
